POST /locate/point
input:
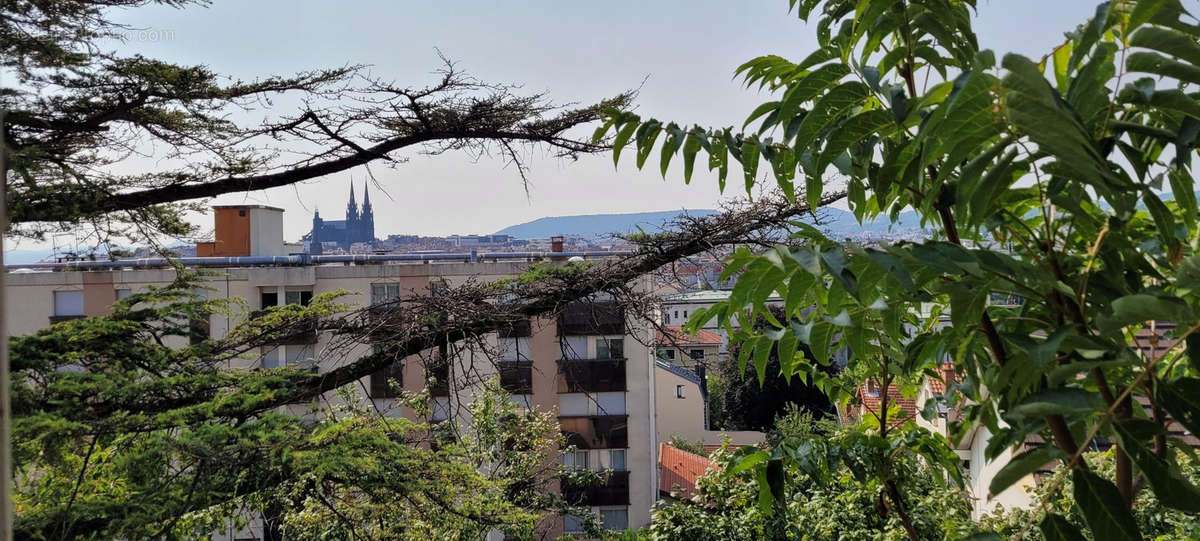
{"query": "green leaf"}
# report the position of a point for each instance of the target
(1181, 398)
(1026, 463)
(749, 461)
(830, 108)
(762, 353)
(1103, 508)
(1157, 64)
(1142, 12)
(674, 140)
(872, 122)
(1058, 401)
(809, 87)
(750, 152)
(690, 147)
(622, 138)
(1056, 528)
(1168, 41)
(760, 111)
(1140, 308)
(1170, 486)
(646, 135)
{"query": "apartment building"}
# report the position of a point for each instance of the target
(591, 365)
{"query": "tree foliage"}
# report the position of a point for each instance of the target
(830, 497)
(1064, 182)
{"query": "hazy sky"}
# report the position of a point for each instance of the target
(685, 50)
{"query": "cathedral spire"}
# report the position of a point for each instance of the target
(366, 197)
(351, 207)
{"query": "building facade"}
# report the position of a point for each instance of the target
(591, 365)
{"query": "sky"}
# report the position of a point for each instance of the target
(680, 53)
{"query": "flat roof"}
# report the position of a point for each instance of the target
(268, 207)
(707, 295)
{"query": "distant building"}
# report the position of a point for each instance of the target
(357, 227)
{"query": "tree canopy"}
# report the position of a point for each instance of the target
(1063, 182)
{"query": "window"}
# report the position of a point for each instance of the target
(523, 401)
(441, 408)
(668, 354)
(68, 303)
(610, 348)
(696, 354)
(677, 314)
(572, 524)
(610, 403)
(577, 460)
(381, 381)
(574, 347)
(615, 519)
(514, 349)
(268, 299)
(381, 293)
(666, 318)
(297, 297)
(122, 293)
(271, 357)
(616, 459)
(679, 391)
(685, 314)
(572, 405)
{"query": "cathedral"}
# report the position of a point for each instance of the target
(357, 227)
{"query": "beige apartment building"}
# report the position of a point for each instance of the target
(593, 366)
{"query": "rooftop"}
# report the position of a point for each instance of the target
(703, 296)
(673, 335)
(678, 470)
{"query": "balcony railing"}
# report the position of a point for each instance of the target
(591, 375)
(516, 377)
(585, 318)
(60, 319)
(519, 329)
(596, 431)
(613, 491)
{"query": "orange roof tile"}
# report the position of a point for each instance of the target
(674, 335)
(948, 376)
(871, 401)
(679, 469)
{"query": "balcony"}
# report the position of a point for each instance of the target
(613, 491)
(585, 318)
(439, 372)
(596, 431)
(516, 377)
(591, 375)
(60, 319)
(519, 329)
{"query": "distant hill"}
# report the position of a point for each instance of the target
(837, 222)
(597, 225)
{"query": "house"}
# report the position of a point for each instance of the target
(677, 347)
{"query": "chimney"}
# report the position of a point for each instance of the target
(556, 245)
(245, 230)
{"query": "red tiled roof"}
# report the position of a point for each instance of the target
(679, 469)
(871, 400)
(948, 376)
(673, 335)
